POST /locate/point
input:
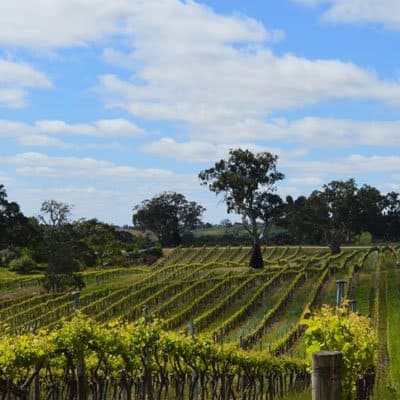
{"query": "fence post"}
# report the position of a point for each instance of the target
(325, 379)
(80, 364)
(353, 305)
(340, 291)
(194, 373)
(76, 295)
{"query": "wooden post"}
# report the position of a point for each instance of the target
(325, 379)
(340, 292)
(194, 372)
(80, 364)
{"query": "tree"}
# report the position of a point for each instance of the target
(169, 216)
(391, 215)
(247, 181)
(59, 242)
(102, 241)
(336, 214)
(14, 226)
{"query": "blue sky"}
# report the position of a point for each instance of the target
(106, 103)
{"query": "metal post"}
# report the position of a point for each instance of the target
(325, 379)
(340, 291)
(145, 314)
(241, 341)
(76, 295)
(353, 305)
(194, 372)
(80, 364)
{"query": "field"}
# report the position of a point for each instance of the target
(258, 311)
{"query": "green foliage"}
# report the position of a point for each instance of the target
(61, 282)
(345, 331)
(363, 239)
(168, 215)
(247, 182)
(138, 349)
(23, 264)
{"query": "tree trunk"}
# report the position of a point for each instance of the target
(335, 248)
(256, 260)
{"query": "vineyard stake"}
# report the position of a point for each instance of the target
(340, 291)
(325, 379)
(80, 364)
(145, 314)
(353, 305)
(194, 373)
(76, 295)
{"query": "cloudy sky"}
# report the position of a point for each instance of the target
(105, 103)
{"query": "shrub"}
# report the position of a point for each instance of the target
(363, 238)
(22, 264)
(352, 334)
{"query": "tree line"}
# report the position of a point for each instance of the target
(335, 214)
(338, 213)
(52, 242)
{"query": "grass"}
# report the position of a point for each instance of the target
(299, 396)
(290, 316)
(236, 306)
(253, 320)
(6, 274)
(393, 323)
(362, 292)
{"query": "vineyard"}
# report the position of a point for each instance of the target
(244, 339)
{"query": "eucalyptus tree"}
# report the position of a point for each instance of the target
(168, 215)
(248, 184)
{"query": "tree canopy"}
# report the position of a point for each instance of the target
(247, 181)
(340, 211)
(15, 229)
(168, 215)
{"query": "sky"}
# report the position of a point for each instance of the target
(105, 103)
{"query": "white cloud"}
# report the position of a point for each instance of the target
(192, 70)
(42, 141)
(308, 131)
(40, 132)
(101, 128)
(4, 178)
(201, 151)
(15, 79)
(386, 12)
(62, 23)
(306, 181)
(38, 164)
(352, 165)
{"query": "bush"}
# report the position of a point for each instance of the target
(62, 282)
(352, 334)
(363, 239)
(23, 264)
(6, 255)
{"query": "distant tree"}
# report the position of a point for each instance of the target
(15, 229)
(59, 243)
(102, 240)
(335, 214)
(391, 216)
(169, 216)
(247, 181)
(300, 220)
(370, 216)
(226, 223)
